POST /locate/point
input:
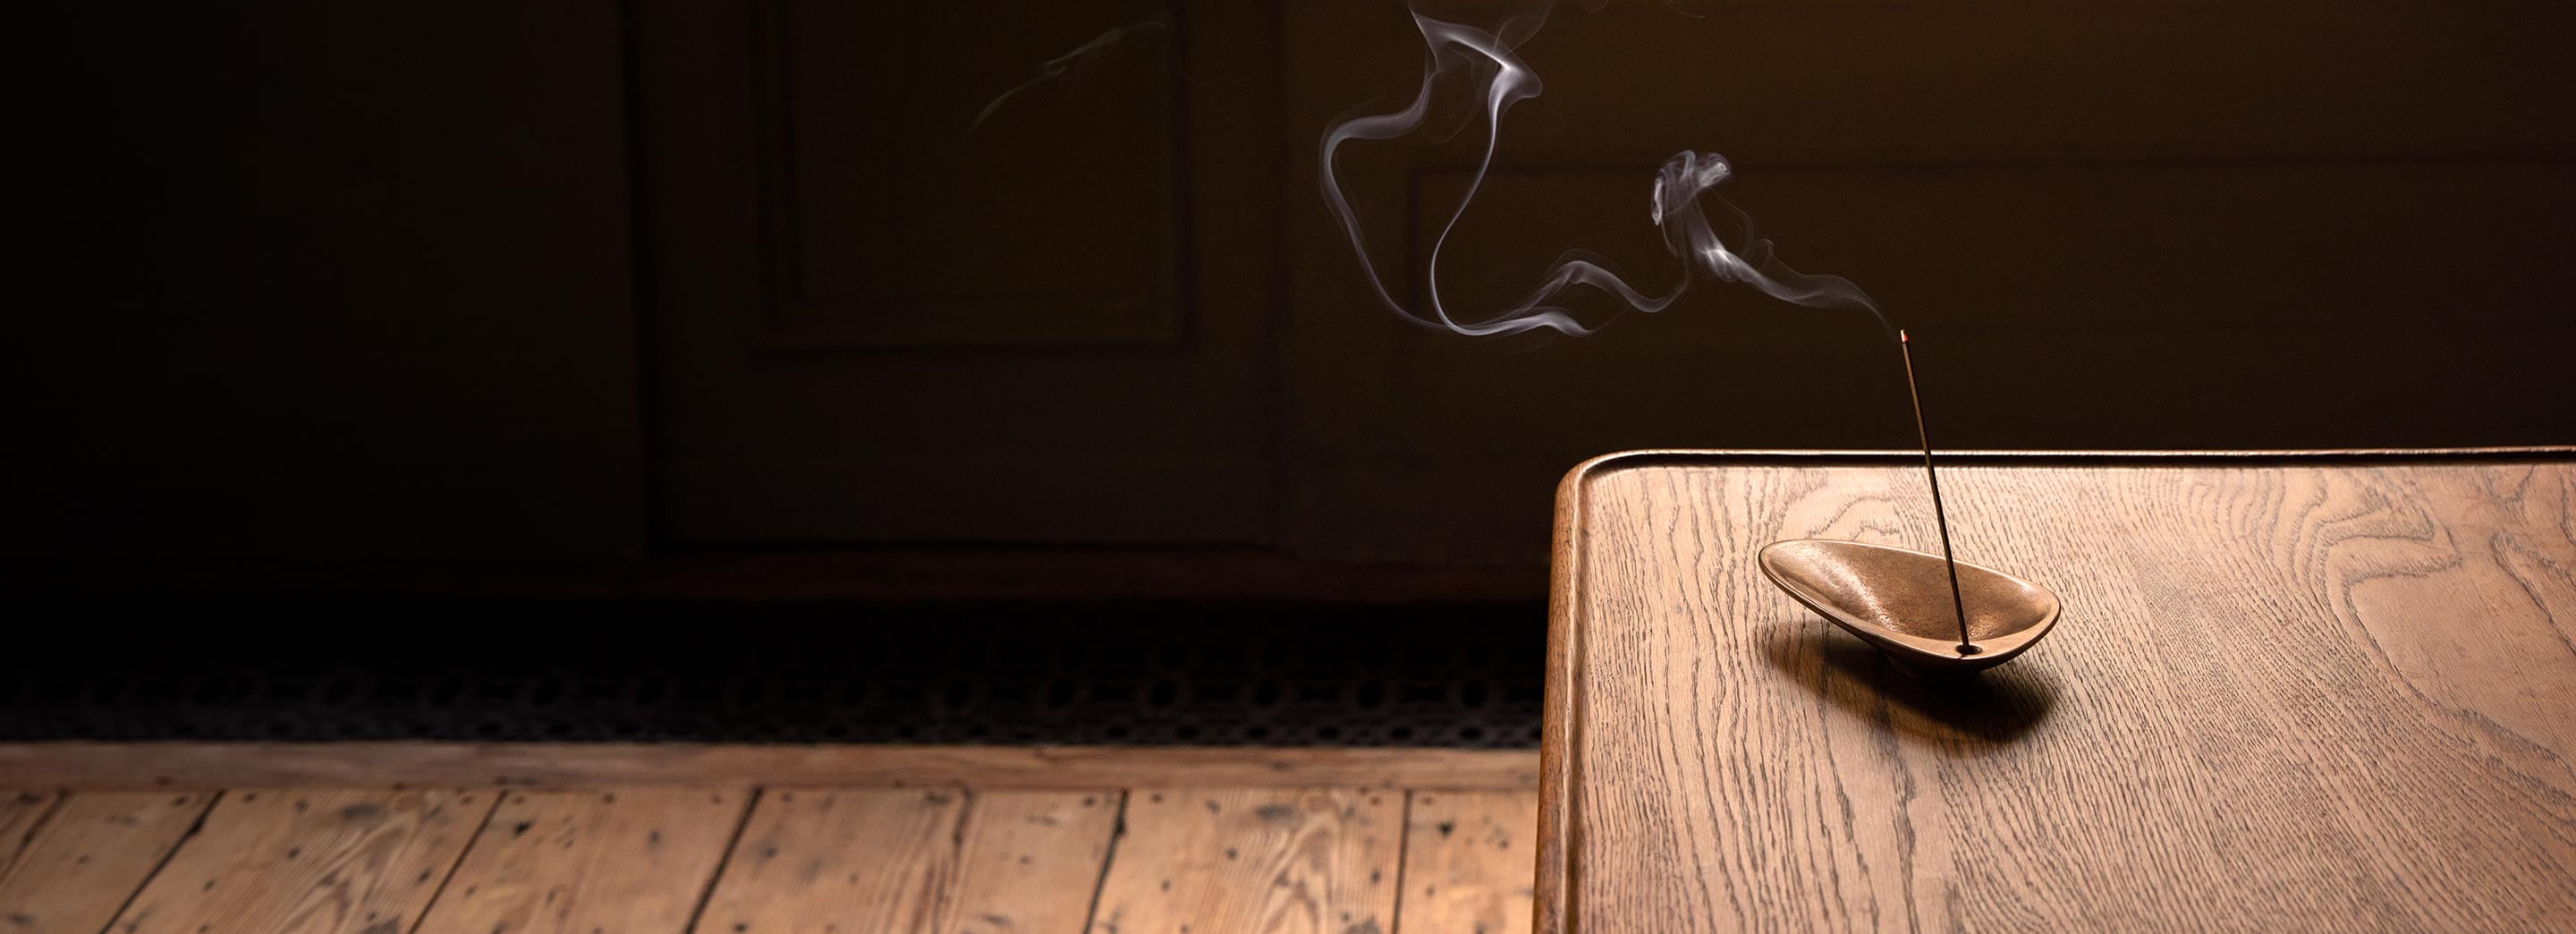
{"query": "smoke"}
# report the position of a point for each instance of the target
(1071, 65)
(1682, 188)
(1495, 78)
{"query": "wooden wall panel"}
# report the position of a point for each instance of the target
(884, 321)
(1886, 83)
(324, 284)
(362, 285)
(931, 174)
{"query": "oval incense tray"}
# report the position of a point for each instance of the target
(1899, 600)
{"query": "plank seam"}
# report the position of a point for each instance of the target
(724, 861)
(164, 863)
(1403, 858)
(27, 841)
(1108, 855)
(462, 855)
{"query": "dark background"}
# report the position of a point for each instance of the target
(625, 330)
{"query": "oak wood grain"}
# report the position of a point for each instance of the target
(577, 862)
(1467, 862)
(1030, 861)
(96, 849)
(1199, 861)
(2284, 695)
(841, 861)
(309, 862)
(596, 765)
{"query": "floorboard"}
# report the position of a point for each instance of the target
(1467, 861)
(97, 847)
(310, 862)
(566, 862)
(855, 858)
(1201, 861)
(21, 813)
(839, 861)
(1030, 861)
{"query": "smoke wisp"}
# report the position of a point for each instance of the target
(1071, 65)
(1493, 77)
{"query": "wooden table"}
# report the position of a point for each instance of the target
(2290, 691)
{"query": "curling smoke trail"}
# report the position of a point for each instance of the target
(1071, 64)
(1486, 62)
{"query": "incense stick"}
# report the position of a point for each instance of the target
(1940, 517)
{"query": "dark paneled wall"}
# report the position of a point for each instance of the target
(320, 282)
(356, 284)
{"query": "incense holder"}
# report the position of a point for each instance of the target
(1899, 600)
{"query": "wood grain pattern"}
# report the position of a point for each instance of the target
(1030, 861)
(594, 765)
(840, 861)
(2284, 695)
(1467, 862)
(1238, 860)
(567, 862)
(21, 814)
(308, 862)
(97, 848)
(643, 859)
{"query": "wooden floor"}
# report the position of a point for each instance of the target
(390, 859)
